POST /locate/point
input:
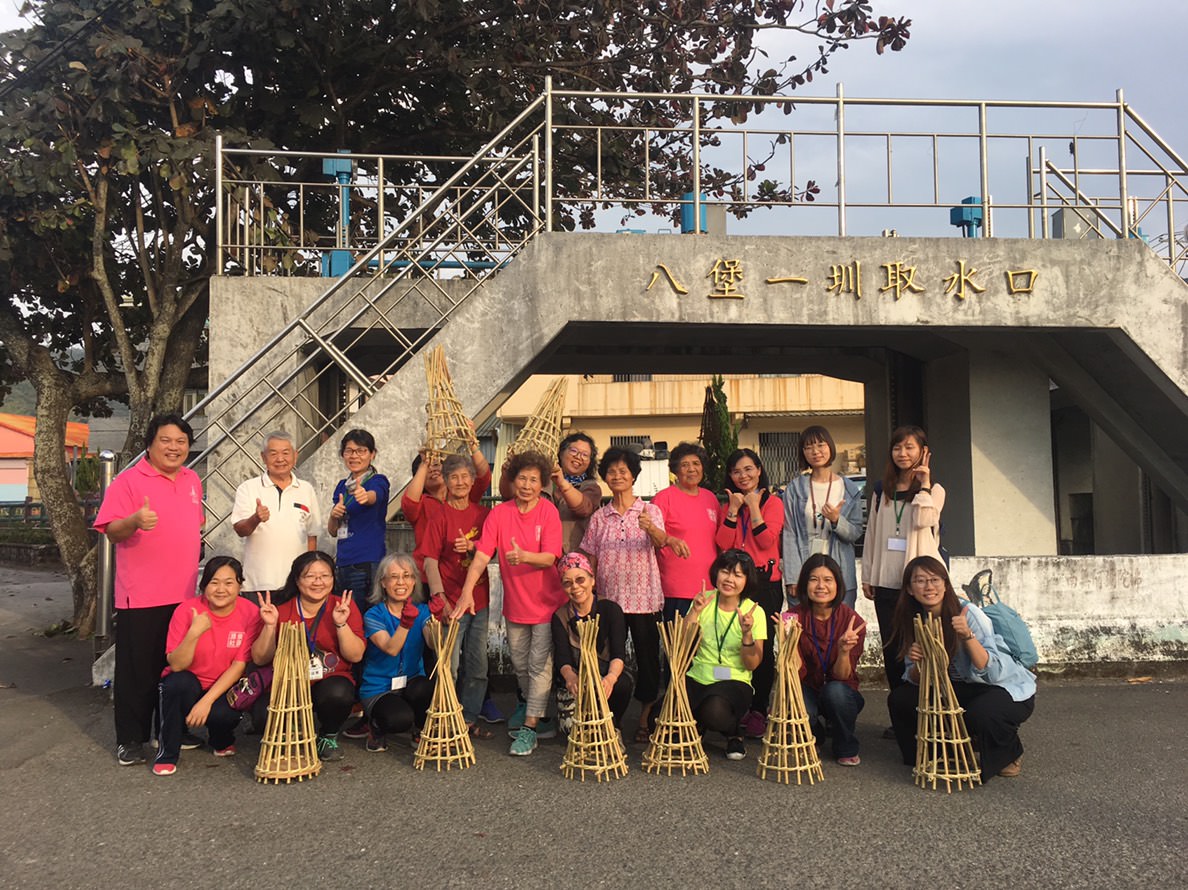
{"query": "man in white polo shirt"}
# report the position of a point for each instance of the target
(277, 516)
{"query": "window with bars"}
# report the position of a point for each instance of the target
(631, 443)
(631, 378)
(780, 453)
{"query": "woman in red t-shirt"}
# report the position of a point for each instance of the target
(206, 650)
(333, 634)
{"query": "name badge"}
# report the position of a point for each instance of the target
(344, 532)
(316, 670)
(721, 672)
(820, 546)
(399, 683)
(897, 544)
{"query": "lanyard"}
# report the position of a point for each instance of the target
(729, 624)
(824, 657)
(813, 495)
(898, 509)
(350, 492)
(311, 634)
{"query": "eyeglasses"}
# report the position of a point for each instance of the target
(575, 452)
(317, 577)
(928, 583)
(401, 576)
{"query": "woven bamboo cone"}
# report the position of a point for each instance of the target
(789, 748)
(289, 748)
(944, 752)
(542, 432)
(593, 742)
(448, 428)
(676, 742)
(445, 740)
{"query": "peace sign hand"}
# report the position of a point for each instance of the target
(268, 613)
(922, 471)
(850, 638)
(342, 611)
(700, 601)
(746, 620)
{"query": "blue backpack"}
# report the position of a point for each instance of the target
(1007, 622)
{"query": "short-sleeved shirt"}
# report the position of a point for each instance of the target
(366, 526)
(326, 635)
(421, 512)
(721, 642)
(530, 594)
(157, 567)
(293, 517)
(626, 571)
(229, 639)
(693, 519)
(819, 645)
(438, 543)
(378, 666)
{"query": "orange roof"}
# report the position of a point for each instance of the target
(77, 434)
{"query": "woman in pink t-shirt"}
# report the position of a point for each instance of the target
(526, 532)
(207, 649)
(690, 523)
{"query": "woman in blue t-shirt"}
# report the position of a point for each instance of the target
(358, 518)
(394, 690)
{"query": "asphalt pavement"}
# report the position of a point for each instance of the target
(1102, 802)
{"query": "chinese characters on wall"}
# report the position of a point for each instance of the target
(727, 279)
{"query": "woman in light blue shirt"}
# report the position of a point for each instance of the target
(997, 693)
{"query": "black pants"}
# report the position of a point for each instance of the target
(719, 706)
(769, 596)
(401, 709)
(992, 717)
(332, 698)
(645, 640)
(139, 660)
(893, 665)
(178, 693)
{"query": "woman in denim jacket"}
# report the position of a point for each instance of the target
(997, 692)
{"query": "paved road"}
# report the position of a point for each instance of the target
(1102, 802)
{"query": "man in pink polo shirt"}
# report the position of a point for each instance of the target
(152, 512)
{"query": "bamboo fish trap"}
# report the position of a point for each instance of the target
(542, 432)
(289, 748)
(789, 748)
(944, 752)
(445, 740)
(676, 742)
(448, 429)
(593, 742)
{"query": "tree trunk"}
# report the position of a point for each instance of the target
(54, 401)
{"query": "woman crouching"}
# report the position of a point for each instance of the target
(997, 692)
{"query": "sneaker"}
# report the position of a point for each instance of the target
(357, 730)
(129, 755)
(190, 741)
(516, 720)
(229, 751)
(849, 761)
(546, 729)
(328, 748)
(489, 713)
(889, 733)
(735, 749)
(376, 741)
(164, 769)
(1012, 769)
(754, 725)
(525, 742)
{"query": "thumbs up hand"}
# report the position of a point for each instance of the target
(515, 556)
(146, 519)
(262, 513)
(339, 510)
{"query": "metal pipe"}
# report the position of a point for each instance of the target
(696, 165)
(984, 172)
(104, 565)
(1122, 194)
(548, 128)
(1045, 226)
(841, 162)
(218, 269)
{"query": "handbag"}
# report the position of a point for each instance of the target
(250, 687)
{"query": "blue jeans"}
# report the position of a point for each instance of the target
(471, 652)
(178, 692)
(840, 705)
(357, 578)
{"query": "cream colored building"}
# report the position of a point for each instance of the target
(649, 409)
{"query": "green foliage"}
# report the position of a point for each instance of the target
(86, 475)
(719, 434)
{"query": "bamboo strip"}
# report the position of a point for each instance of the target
(789, 748)
(944, 752)
(676, 741)
(289, 749)
(542, 432)
(448, 429)
(445, 740)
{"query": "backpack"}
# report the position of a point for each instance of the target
(940, 529)
(1008, 624)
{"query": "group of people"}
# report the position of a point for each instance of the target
(734, 567)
